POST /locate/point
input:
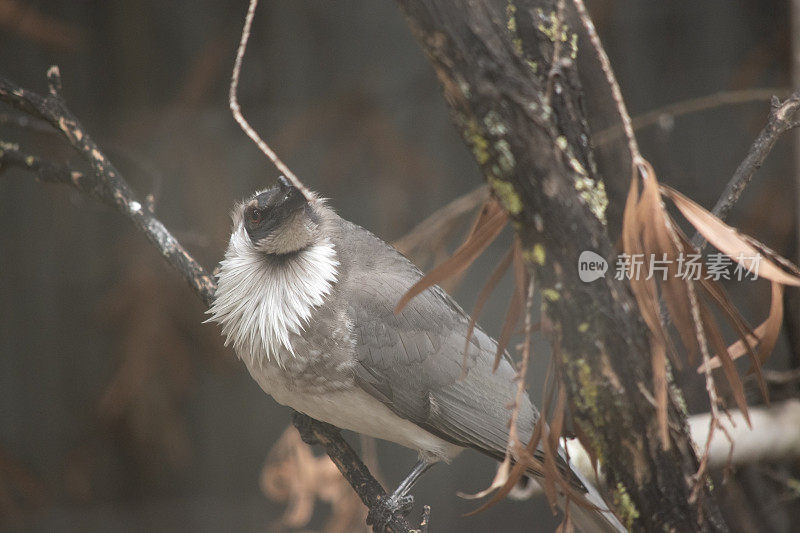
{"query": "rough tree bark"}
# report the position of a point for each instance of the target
(509, 74)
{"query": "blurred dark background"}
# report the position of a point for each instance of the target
(119, 409)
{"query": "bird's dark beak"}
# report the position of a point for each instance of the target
(284, 184)
(286, 188)
(289, 196)
(277, 220)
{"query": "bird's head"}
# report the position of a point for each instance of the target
(280, 265)
(279, 220)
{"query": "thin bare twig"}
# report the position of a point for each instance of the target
(711, 390)
(689, 107)
(233, 101)
(781, 119)
(636, 157)
(12, 156)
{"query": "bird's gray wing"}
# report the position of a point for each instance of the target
(412, 361)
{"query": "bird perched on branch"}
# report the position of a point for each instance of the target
(307, 299)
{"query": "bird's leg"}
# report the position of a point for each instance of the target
(411, 479)
(400, 500)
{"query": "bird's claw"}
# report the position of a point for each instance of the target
(389, 506)
(403, 504)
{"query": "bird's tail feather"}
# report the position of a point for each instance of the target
(588, 520)
(592, 515)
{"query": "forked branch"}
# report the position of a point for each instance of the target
(106, 183)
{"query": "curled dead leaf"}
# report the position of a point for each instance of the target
(764, 337)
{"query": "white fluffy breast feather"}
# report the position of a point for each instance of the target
(259, 302)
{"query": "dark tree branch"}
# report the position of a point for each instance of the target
(781, 119)
(107, 185)
(495, 63)
(345, 458)
(12, 156)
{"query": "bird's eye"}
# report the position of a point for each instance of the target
(254, 215)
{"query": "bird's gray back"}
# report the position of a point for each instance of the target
(413, 361)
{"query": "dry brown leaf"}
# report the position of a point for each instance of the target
(645, 230)
(566, 526)
(768, 331)
(644, 290)
(515, 307)
(487, 227)
(729, 241)
(648, 231)
(483, 296)
(553, 475)
(500, 479)
(714, 291)
(428, 238)
(717, 343)
(517, 471)
(771, 266)
(764, 336)
(518, 468)
(657, 239)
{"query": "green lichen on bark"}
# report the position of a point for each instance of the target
(511, 25)
(551, 295)
(535, 254)
(624, 505)
(593, 193)
(479, 145)
(588, 393)
(511, 15)
(573, 46)
(505, 159)
(551, 27)
(505, 193)
(586, 398)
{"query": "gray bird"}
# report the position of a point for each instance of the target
(307, 299)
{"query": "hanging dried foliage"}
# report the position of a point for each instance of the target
(664, 294)
(490, 222)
